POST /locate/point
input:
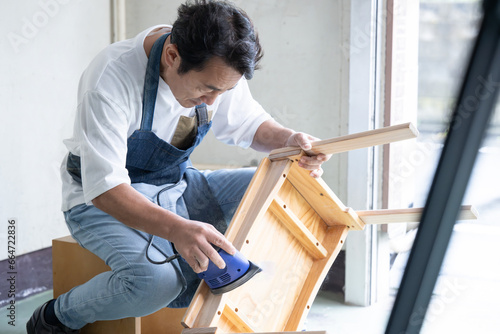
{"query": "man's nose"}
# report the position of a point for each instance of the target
(209, 98)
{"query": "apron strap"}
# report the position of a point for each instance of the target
(151, 83)
(202, 114)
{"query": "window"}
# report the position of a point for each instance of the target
(466, 292)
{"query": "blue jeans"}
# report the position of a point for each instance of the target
(135, 287)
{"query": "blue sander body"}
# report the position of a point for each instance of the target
(238, 271)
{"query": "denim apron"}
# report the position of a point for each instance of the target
(153, 161)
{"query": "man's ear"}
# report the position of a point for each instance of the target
(172, 56)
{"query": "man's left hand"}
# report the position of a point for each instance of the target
(312, 163)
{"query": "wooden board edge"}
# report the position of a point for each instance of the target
(251, 191)
(303, 183)
(405, 131)
(67, 238)
(408, 215)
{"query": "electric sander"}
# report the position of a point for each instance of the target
(237, 272)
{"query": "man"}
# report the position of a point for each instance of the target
(129, 193)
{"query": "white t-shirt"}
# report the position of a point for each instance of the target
(110, 109)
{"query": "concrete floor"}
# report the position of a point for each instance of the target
(24, 309)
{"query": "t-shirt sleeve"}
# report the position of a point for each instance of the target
(238, 116)
(103, 145)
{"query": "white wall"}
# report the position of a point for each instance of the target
(301, 80)
(45, 44)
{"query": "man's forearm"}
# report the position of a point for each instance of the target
(131, 208)
(193, 240)
(270, 135)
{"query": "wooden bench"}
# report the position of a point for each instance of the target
(73, 265)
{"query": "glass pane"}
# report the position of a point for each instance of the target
(467, 294)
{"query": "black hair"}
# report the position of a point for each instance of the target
(207, 28)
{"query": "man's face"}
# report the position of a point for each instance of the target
(193, 88)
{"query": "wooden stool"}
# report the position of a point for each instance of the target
(73, 265)
(295, 226)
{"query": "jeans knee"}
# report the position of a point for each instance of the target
(151, 288)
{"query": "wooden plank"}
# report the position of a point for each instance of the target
(351, 142)
(304, 212)
(334, 241)
(264, 185)
(269, 297)
(297, 228)
(202, 301)
(239, 320)
(411, 215)
(323, 200)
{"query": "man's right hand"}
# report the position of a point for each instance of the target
(195, 242)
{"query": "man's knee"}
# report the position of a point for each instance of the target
(152, 287)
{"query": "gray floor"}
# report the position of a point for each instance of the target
(327, 313)
(24, 309)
